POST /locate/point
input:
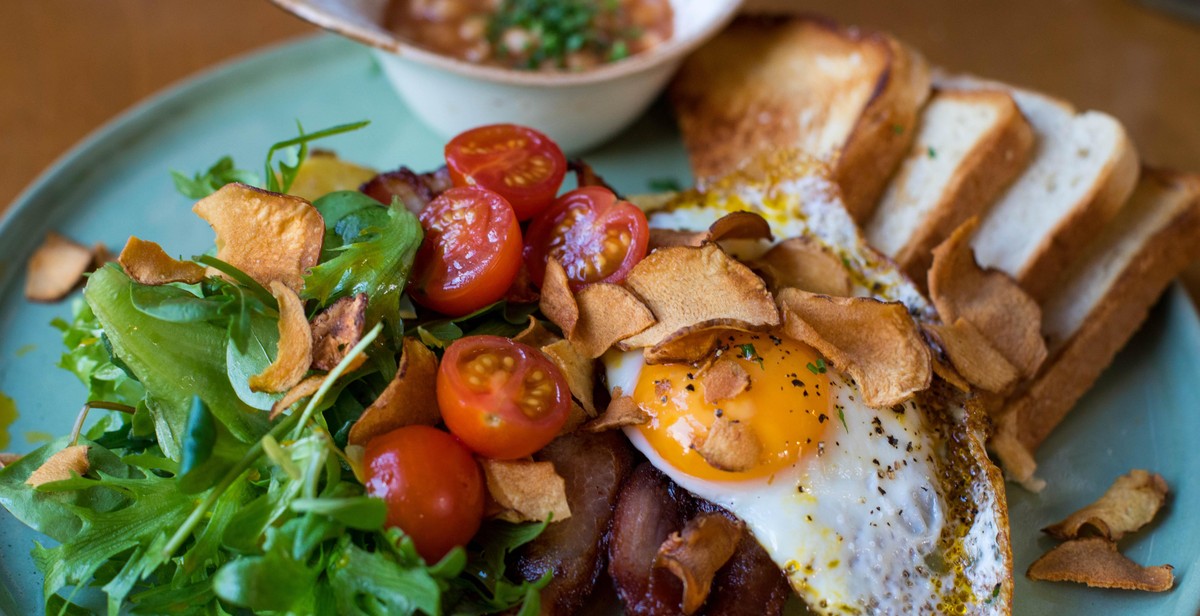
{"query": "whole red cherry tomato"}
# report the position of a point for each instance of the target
(431, 484)
(519, 163)
(471, 252)
(595, 236)
(501, 398)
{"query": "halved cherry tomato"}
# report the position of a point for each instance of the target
(521, 164)
(595, 236)
(431, 484)
(503, 399)
(470, 254)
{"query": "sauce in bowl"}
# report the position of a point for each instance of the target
(545, 35)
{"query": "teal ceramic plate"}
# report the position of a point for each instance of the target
(1142, 414)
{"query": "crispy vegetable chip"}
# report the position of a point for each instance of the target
(8, 458)
(729, 446)
(1129, 504)
(294, 354)
(607, 313)
(877, 343)
(536, 335)
(577, 370)
(147, 263)
(687, 347)
(803, 263)
(299, 391)
(337, 329)
(267, 235)
(622, 411)
(1096, 562)
(743, 225)
(992, 301)
(691, 290)
(60, 466)
(974, 357)
(55, 268)
(943, 369)
(410, 399)
(695, 554)
(101, 255)
(526, 491)
(557, 302)
(1016, 459)
(724, 379)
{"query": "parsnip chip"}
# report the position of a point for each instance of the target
(1096, 562)
(267, 235)
(299, 391)
(536, 335)
(337, 329)
(147, 263)
(943, 369)
(526, 491)
(8, 458)
(723, 379)
(55, 268)
(577, 370)
(686, 347)
(622, 411)
(607, 313)
(60, 466)
(992, 301)
(742, 225)
(410, 399)
(803, 263)
(695, 554)
(1015, 458)
(877, 343)
(974, 357)
(294, 354)
(557, 302)
(101, 255)
(729, 446)
(1129, 504)
(690, 290)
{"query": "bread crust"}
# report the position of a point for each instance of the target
(1071, 372)
(759, 86)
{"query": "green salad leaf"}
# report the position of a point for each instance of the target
(205, 183)
(88, 358)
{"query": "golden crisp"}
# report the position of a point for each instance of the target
(695, 554)
(989, 299)
(1096, 562)
(294, 354)
(557, 302)
(691, 290)
(7, 458)
(608, 313)
(1129, 504)
(60, 466)
(876, 343)
(526, 491)
(147, 263)
(337, 329)
(622, 411)
(723, 379)
(973, 356)
(742, 225)
(576, 370)
(410, 399)
(299, 391)
(267, 235)
(55, 268)
(535, 334)
(804, 263)
(729, 446)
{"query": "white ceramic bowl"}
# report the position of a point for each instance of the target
(578, 110)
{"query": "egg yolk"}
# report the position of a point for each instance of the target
(786, 405)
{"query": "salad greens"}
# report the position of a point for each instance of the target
(193, 501)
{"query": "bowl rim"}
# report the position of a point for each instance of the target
(395, 47)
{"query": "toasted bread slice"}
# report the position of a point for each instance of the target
(1084, 168)
(970, 145)
(848, 97)
(1108, 293)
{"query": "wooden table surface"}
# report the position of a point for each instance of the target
(70, 65)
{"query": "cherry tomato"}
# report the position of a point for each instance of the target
(431, 484)
(503, 399)
(471, 252)
(596, 237)
(519, 163)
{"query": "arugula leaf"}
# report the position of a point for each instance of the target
(287, 173)
(376, 263)
(209, 450)
(275, 581)
(391, 581)
(203, 184)
(88, 358)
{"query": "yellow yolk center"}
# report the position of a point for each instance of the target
(786, 405)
